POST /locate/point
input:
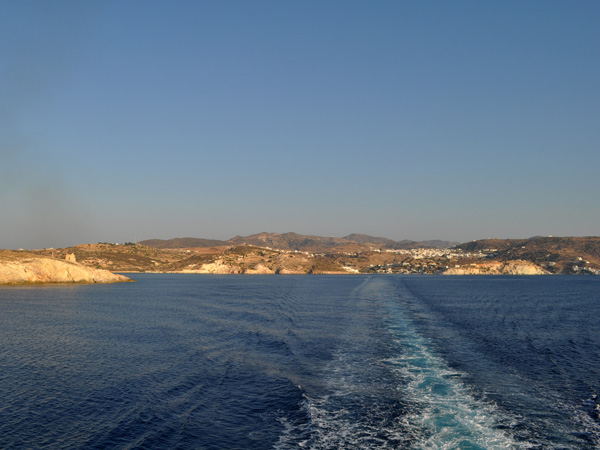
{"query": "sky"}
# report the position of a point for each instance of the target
(124, 121)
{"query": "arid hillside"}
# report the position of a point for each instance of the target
(300, 242)
(339, 255)
(118, 258)
(566, 255)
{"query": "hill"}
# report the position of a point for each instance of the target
(245, 259)
(289, 241)
(299, 242)
(186, 242)
(490, 245)
(385, 243)
(117, 258)
(295, 253)
(295, 241)
(556, 254)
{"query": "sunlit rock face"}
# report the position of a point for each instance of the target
(516, 267)
(24, 268)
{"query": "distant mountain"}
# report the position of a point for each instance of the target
(365, 238)
(436, 243)
(397, 245)
(300, 242)
(290, 241)
(186, 242)
(380, 241)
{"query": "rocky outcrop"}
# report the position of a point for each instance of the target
(259, 269)
(218, 267)
(516, 267)
(25, 268)
(221, 267)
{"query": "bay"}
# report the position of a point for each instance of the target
(321, 362)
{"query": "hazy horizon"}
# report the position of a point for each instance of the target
(126, 121)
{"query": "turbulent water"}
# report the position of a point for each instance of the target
(312, 362)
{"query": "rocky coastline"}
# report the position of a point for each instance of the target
(298, 254)
(21, 268)
(517, 267)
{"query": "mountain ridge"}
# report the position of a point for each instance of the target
(186, 242)
(296, 241)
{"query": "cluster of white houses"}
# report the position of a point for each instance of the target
(421, 253)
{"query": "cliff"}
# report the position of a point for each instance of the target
(27, 268)
(498, 268)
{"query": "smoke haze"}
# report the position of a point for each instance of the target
(40, 208)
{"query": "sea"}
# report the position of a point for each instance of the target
(187, 361)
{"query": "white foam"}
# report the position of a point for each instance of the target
(430, 407)
(446, 415)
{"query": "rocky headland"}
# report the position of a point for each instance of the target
(18, 267)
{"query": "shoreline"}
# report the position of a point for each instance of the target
(20, 269)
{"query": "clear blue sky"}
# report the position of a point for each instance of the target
(460, 120)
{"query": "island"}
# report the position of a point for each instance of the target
(292, 253)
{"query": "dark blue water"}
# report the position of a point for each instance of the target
(314, 362)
